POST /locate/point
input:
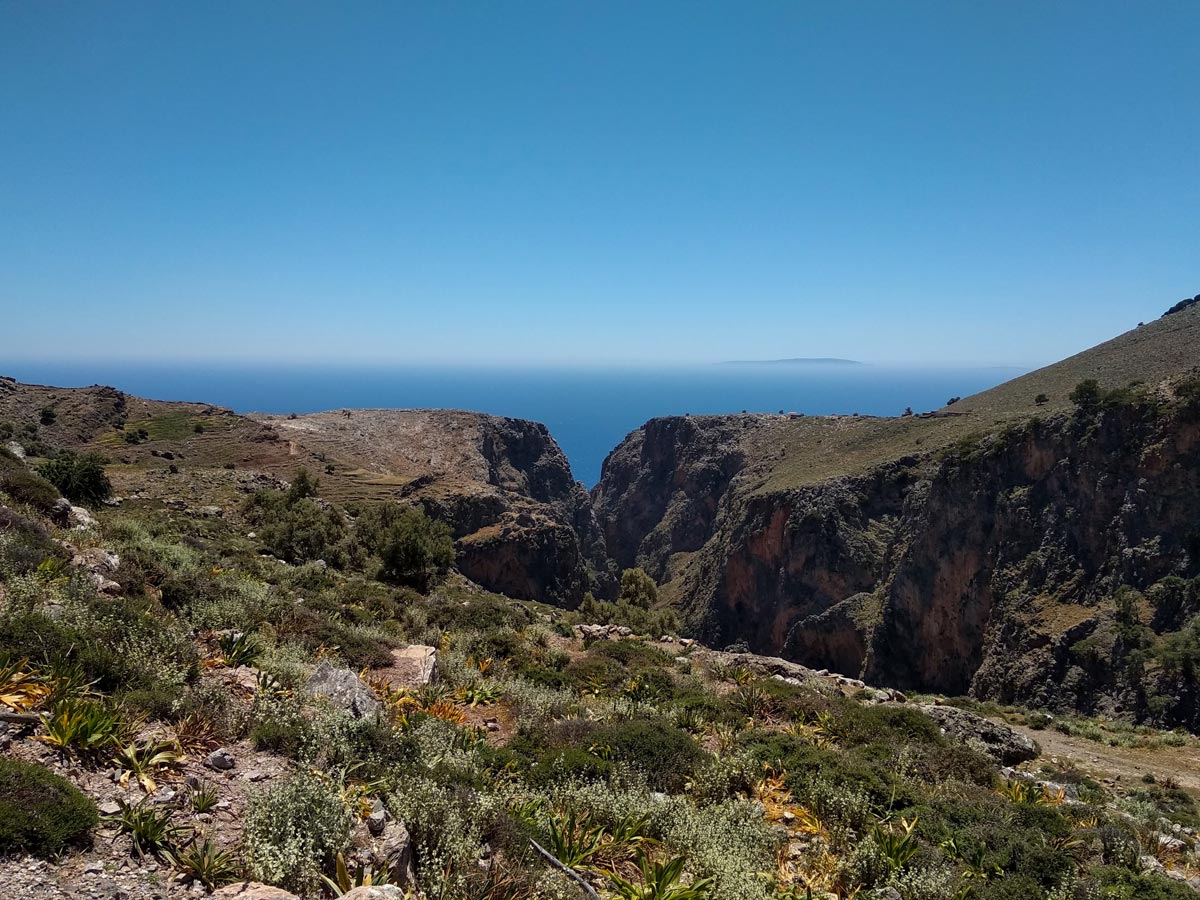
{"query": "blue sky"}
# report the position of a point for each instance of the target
(612, 182)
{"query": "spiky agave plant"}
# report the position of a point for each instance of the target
(898, 846)
(82, 726)
(661, 881)
(142, 761)
(364, 876)
(200, 859)
(239, 649)
(150, 827)
(575, 841)
(20, 688)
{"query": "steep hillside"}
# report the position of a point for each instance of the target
(981, 548)
(522, 525)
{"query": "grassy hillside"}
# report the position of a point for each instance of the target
(787, 453)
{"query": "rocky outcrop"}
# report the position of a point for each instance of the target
(343, 689)
(252, 890)
(987, 567)
(523, 526)
(661, 488)
(1004, 745)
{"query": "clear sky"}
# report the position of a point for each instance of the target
(1003, 182)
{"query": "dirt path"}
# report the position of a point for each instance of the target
(1102, 761)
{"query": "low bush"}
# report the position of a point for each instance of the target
(570, 764)
(413, 549)
(23, 485)
(40, 812)
(24, 544)
(294, 830)
(665, 754)
(80, 478)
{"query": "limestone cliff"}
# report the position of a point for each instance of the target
(1015, 546)
(523, 525)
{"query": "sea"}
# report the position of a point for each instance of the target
(588, 410)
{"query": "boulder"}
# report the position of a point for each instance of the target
(1005, 745)
(343, 689)
(80, 519)
(602, 632)
(378, 819)
(104, 585)
(221, 760)
(412, 667)
(375, 892)
(765, 666)
(252, 890)
(398, 854)
(60, 512)
(96, 559)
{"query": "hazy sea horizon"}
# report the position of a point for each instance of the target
(588, 410)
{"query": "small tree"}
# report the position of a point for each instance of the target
(416, 550)
(303, 486)
(80, 479)
(638, 589)
(1040, 399)
(47, 416)
(1087, 395)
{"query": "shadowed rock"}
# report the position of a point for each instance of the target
(343, 689)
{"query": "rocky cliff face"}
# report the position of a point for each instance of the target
(992, 566)
(523, 526)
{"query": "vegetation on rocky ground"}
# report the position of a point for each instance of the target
(538, 761)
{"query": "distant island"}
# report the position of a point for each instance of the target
(795, 361)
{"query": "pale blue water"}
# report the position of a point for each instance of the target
(588, 411)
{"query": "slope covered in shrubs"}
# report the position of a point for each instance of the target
(542, 754)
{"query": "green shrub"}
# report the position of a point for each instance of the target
(570, 764)
(81, 479)
(40, 812)
(24, 544)
(414, 549)
(663, 753)
(1122, 884)
(638, 589)
(1087, 394)
(653, 622)
(116, 643)
(23, 486)
(294, 830)
(302, 531)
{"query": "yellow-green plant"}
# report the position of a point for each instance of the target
(661, 881)
(20, 688)
(205, 862)
(364, 876)
(82, 726)
(150, 827)
(143, 760)
(898, 846)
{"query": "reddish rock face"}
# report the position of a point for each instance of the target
(971, 570)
